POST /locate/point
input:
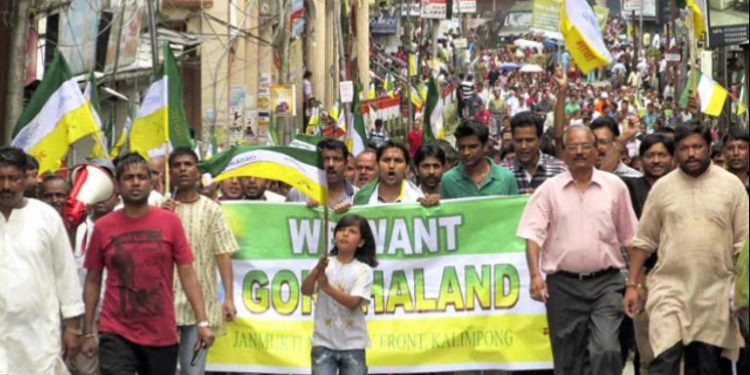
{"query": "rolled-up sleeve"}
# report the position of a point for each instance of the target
(627, 222)
(67, 286)
(536, 216)
(647, 236)
(741, 221)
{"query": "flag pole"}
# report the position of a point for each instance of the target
(693, 37)
(326, 225)
(155, 66)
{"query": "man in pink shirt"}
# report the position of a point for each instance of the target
(577, 222)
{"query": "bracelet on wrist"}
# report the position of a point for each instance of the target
(75, 331)
(637, 286)
(89, 336)
(203, 324)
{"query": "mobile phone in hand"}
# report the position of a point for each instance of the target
(197, 354)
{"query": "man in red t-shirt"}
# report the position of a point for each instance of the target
(139, 246)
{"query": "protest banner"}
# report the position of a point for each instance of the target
(450, 293)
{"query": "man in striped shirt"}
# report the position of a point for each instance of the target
(530, 166)
(213, 243)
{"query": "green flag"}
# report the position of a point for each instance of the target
(161, 117)
(356, 134)
(433, 114)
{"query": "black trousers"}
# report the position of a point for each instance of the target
(700, 359)
(118, 356)
(584, 322)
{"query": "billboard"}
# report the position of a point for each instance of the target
(545, 16)
(435, 9)
(630, 6)
(727, 22)
(386, 23)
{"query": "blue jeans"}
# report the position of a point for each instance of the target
(332, 362)
(188, 338)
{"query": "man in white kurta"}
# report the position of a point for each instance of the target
(38, 284)
(699, 223)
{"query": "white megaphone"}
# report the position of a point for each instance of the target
(91, 184)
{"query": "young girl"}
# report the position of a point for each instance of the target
(343, 284)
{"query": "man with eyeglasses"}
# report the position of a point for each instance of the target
(611, 143)
(584, 283)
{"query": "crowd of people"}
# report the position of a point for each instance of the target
(608, 165)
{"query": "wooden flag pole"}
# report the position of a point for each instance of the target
(693, 38)
(326, 234)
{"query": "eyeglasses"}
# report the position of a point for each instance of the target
(581, 146)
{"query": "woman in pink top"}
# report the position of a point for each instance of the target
(414, 138)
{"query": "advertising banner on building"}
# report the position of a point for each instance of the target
(435, 9)
(467, 6)
(450, 293)
(545, 17)
(727, 22)
(631, 7)
(283, 102)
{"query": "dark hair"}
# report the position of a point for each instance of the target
(654, 139)
(429, 150)
(365, 254)
(690, 128)
(31, 163)
(469, 128)
(333, 144)
(128, 160)
(49, 178)
(182, 151)
(378, 123)
(737, 133)
(717, 149)
(527, 120)
(547, 146)
(393, 144)
(14, 157)
(505, 150)
(665, 130)
(606, 122)
(495, 152)
(451, 156)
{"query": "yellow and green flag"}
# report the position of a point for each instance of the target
(389, 85)
(161, 118)
(356, 135)
(697, 8)
(712, 96)
(57, 116)
(434, 127)
(583, 36)
(338, 114)
(297, 167)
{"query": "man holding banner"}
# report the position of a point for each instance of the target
(334, 155)
(392, 186)
(577, 222)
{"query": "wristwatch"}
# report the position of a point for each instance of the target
(203, 324)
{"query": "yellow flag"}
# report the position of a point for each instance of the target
(583, 37)
(699, 23)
